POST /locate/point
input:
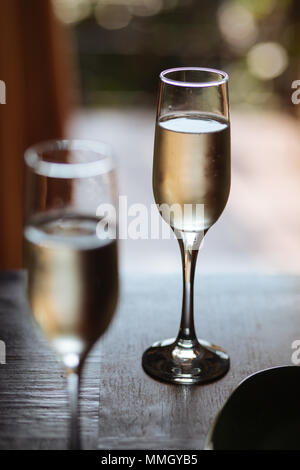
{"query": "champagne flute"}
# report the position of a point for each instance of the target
(70, 251)
(191, 179)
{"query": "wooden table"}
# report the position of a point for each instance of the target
(255, 318)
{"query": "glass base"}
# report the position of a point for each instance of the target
(185, 362)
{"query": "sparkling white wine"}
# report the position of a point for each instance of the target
(192, 166)
(73, 281)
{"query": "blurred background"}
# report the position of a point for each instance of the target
(89, 69)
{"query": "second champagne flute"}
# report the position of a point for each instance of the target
(191, 183)
(70, 253)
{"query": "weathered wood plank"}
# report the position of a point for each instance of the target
(255, 318)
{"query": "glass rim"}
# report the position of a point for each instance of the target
(201, 84)
(102, 165)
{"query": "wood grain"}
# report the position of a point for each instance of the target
(255, 318)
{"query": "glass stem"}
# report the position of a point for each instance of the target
(189, 243)
(73, 380)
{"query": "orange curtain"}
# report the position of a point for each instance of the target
(35, 66)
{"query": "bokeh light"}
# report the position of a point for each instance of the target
(267, 60)
(237, 35)
(112, 16)
(72, 11)
(261, 8)
(237, 25)
(145, 7)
